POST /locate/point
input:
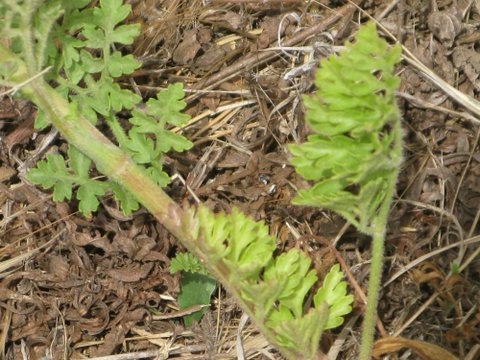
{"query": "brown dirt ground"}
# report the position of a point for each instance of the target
(73, 287)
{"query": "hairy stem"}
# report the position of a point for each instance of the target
(117, 165)
(117, 131)
(378, 240)
(370, 314)
(108, 158)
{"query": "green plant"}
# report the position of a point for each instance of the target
(355, 152)
(84, 68)
(272, 290)
(196, 286)
(235, 249)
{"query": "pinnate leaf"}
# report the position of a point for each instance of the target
(292, 268)
(185, 261)
(125, 34)
(275, 288)
(95, 36)
(160, 177)
(167, 140)
(117, 97)
(102, 29)
(127, 202)
(89, 63)
(168, 105)
(119, 64)
(354, 154)
(110, 13)
(334, 293)
(302, 335)
(141, 148)
(52, 172)
(243, 244)
(88, 194)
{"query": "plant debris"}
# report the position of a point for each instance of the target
(73, 286)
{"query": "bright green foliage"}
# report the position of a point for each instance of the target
(52, 172)
(301, 335)
(273, 288)
(334, 293)
(354, 151)
(239, 251)
(237, 241)
(169, 106)
(354, 155)
(186, 262)
(74, 60)
(196, 287)
(162, 111)
(294, 268)
(81, 49)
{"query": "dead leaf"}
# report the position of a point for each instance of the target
(83, 239)
(445, 26)
(58, 266)
(126, 244)
(133, 274)
(188, 48)
(6, 173)
(145, 246)
(224, 18)
(468, 60)
(211, 101)
(111, 341)
(96, 320)
(212, 56)
(425, 350)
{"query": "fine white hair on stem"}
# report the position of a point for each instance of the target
(17, 87)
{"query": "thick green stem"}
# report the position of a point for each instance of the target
(117, 165)
(109, 159)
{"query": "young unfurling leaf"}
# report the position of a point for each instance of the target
(354, 155)
(354, 151)
(273, 287)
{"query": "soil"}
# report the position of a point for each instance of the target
(73, 287)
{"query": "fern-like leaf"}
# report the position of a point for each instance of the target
(186, 262)
(302, 335)
(354, 154)
(238, 241)
(334, 293)
(53, 173)
(240, 250)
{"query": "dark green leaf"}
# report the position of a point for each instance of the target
(195, 289)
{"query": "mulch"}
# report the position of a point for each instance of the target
(73, 287)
